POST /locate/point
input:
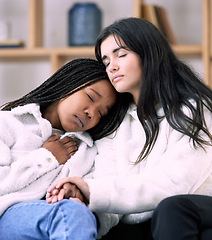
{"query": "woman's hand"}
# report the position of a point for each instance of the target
(62, 149)
(66, 191)
(81, 185)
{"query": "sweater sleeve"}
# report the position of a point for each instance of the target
(15, 175)
(103, 169)
(22, 160)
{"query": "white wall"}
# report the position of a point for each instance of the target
(18, 78)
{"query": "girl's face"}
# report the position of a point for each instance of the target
(83, 109)
(122, 65)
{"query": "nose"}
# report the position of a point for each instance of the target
(113, 66)
(91, 111)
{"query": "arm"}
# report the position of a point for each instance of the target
(173, 167)
(179, 169)
(22, 159)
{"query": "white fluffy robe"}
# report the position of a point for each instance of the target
(133, 191)
(27, 169)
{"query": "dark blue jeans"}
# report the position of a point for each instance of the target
(183, 217)
(37, 220)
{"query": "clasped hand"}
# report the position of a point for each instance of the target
(73, 188)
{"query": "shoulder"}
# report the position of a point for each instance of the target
(128, 127)
(31, 108)
(19, 115)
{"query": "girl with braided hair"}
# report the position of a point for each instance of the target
(48, 134)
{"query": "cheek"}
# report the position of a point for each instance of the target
(109, 74)
(93, 123)
(112, 99)
(137, 72)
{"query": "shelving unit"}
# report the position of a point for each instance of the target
(56, 56)
(34, 48)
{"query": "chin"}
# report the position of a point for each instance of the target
(120, 90)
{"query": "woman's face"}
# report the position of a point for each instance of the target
(122, 65)
(83, 109)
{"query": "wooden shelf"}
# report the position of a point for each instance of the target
(80, 51)
(187, 49)
(56, 55)
(40, 51)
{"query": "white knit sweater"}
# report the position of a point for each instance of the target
(27, 169)
(133, 191)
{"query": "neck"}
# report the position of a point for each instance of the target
(50, 114)
(135, 98)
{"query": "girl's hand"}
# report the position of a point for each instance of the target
(67, 191)
(77, 181)
(62, 149)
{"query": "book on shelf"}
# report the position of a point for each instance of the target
(158, 16)
(11, 43)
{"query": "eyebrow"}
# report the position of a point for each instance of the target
(99, 96)
(114, 51)
(96, 92)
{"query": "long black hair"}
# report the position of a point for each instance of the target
(72, 77)
(165, 80)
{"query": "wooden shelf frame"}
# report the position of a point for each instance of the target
(57, 56)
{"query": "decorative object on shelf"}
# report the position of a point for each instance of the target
(11, 43)
(84, 24)
(5, 40)
(4, 30)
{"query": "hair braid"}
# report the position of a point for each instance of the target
(73, 76)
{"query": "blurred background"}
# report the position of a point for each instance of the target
(19, 75)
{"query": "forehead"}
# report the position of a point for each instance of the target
(101, 86)
(112, 42)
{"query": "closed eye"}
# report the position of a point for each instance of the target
(106, 63)
(90, 97)
(123, 55)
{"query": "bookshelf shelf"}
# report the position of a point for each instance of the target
(80, 51)
(187, 49)
(56, 56)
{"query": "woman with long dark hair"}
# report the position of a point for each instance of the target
(163, 147)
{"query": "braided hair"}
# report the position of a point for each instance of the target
(70, 78)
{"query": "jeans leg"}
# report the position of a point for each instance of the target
(37, 220)
(182, 217)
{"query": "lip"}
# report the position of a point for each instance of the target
(117, 78)
(80, 121)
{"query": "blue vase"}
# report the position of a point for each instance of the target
(84, 24)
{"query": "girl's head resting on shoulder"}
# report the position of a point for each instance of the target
(78, 97)
(83, 109)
